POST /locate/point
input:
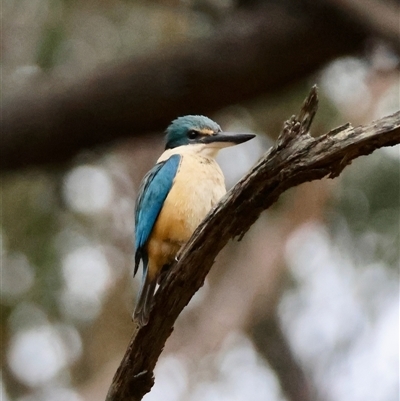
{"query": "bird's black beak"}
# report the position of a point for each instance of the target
(227, 138)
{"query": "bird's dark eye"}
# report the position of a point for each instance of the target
(192, 134)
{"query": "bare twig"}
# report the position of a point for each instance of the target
(295, 159)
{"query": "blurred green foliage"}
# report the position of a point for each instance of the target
(30, 223)
(49, 46)
(369, 202)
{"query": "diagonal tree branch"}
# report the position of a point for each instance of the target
(296, 158)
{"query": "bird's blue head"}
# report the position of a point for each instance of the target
(189, 130)
(185, 130)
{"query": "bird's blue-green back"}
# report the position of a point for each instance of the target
(152, 193)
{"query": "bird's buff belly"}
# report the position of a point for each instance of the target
(184, 209)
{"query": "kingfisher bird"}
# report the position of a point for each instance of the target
(175, 196)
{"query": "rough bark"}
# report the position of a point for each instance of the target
(252, 53)
(296, 158)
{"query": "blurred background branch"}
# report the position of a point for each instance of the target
(245, 57)
(379, 17)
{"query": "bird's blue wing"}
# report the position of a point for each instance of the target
(152, 193)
